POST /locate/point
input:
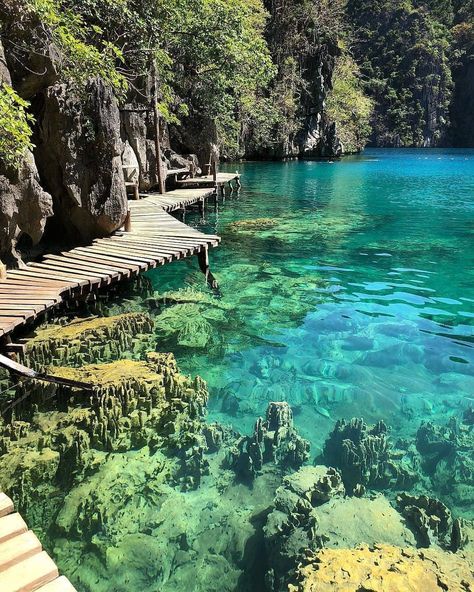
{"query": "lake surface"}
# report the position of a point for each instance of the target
(354, 296)
(345, 289)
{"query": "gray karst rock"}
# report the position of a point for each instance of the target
(24, 205)
(138, 129)
(79, 157)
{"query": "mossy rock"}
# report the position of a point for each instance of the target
(86, 340)
(253, 225)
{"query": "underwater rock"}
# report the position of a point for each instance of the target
(447, 457)
(253, 225)
(384, 567)
(190, 325)
(291, 525)
(134, 405)
(350, 521)
(273, 440)
(88, 340)
(432, 521)
(468, 416)
(365, 457)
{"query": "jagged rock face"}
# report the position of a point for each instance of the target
(24, 209)
(79, 158)
(24, 205)
(138, 129)
(197, 135)
(318, 136)
(273, 440)
(463, 104)
(291, 526)
(365, 457)
(383, 567)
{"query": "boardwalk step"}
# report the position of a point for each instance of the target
(61, 584)
(30, 574)
(17, 549)
(11, 526)
(6, 504)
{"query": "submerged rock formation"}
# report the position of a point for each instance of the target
(291, 526)
(432, 522)
(447, 457)
(383, 567)
(365, 457)
(83, 341)
(274, 440)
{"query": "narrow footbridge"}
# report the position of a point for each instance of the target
(151, 237)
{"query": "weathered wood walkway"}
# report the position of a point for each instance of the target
(153, 238)
(24, 566)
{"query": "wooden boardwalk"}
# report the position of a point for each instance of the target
(153, 239)
(24, 566)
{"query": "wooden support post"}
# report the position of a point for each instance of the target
(156, 116)
(201, 207)
(203, 259)
(214, 172)
(127, 225)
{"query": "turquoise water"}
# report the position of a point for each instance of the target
(355, 299)
(347, 290)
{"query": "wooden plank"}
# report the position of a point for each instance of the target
(125, 251)
(19, 314)
(118, 264)
(6, 504)
(49, 279)
(8, 324)
(97, 249)
(111, 272)
(61, 584)
(17, 549)
(151, 250)
(85, 266)
(11, 526)
(64, 270)
(27, 308)
(30, 574)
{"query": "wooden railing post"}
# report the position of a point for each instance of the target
(127, 225)
(156, 115)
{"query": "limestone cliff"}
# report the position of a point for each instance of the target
(24, 205)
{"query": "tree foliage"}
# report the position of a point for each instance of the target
(15, 131)
(404, 55)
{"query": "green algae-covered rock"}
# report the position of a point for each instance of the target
(253, 225)
(133, 405)
(87, 340)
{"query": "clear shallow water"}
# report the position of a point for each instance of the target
(356, 299)
(346, 289)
